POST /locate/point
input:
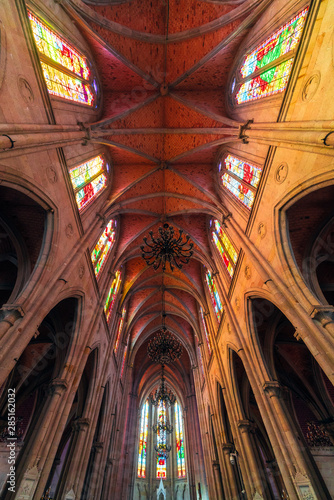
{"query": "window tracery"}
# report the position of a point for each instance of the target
(207, 337)
(266, 69)
(181, 465)
(65, 69)
(119, 330)
(161, 439)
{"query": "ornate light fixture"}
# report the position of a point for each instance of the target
(164, 348)
(167, 248)
(162, 395)
(162, 450)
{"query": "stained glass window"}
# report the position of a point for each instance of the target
(241, 179)
(216, 302)
(141, 471)
(103, 246)
(205, 331)
(65, 70)
(119, 329)
(181, 465)
(161, 439)
(200, 361)
(88, 180)
(226, 250)
(274, 79)
(112, 295)
(124, 358)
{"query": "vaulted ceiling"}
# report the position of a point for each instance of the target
(163, 67)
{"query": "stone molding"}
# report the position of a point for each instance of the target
(273, 388)
(57, 386)
(81, 424)
(246, 426)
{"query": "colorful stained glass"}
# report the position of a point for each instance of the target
(283, 41)
(119, 329)
(270, 82)
(226, 249)
(216, 302)
(245, 171)
(181, 464)
(205, 330)
(124, 358)
(88, 180)
(200, 361)
(275, 79)
(112, 295)
(68, 87)
(103, 246)
(141, 470)
(70, 83)
(161, 439)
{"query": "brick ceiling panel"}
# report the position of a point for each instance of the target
(149, 116)
(137, 15)
(127, 175)
(153, 205)
(178, 115)
(176, 144)
(129, 227)
(177, 204)
(197, 228)
(210, 101)
(118, 102)
(185, 15)
(205, 176)
(150, 184)
(145, 143)
(123, 157)
(177, 184)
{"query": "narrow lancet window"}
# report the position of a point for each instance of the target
(161, 440)
(112, 295)
(141, 471)
(103, 246)
(119, 329)
(88, 180)
(215, 298)
(225, 247)
(207, 337)
(181, 464)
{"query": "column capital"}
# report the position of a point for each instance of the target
(246, 426)
(227, 447)
(81, 424)
(273, 388)
(57, 386)
(323, 314)
(215, 464)
(11, 313)
(98, 446)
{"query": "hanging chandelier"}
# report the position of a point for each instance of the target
(163, 449)
(162, 395)
(164, 348)
(167, 248)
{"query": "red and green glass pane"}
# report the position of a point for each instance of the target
(268, 83)
(161, 439)
(181, 464)
(67, 87)
(225, 248)
(216, 302)
(141, 470)
(124, 358)
(86, 181)
(205, 330)
(112, 295)
(283, 41)
(50, 44)
(103, 246)
(239, 190)
(119, 329)
(245, 171)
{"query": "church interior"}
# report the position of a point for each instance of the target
(166, 250)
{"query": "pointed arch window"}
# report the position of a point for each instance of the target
(102, 248)
(215, 298)
(108, 306)
(240, 178)
(266, 69)
(161, 439)
(142, 454)
(88, 180)
(66, 71)
(119, 330)
(181, 464)
(225, 247)
(207, 336)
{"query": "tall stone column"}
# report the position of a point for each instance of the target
(218, 479)
(105, 494)
(250, 453)
(302, 473)
(70, 480)
(231, 478)
(32, 462)
(96, 475)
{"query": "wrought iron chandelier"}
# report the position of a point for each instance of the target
(162, 395)
(177, 250)
(164, 348)
(163, 449)
(163, 427)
